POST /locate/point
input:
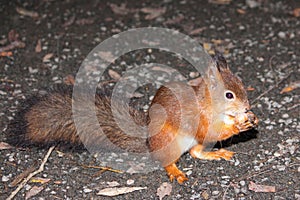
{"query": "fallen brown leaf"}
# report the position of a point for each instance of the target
(13, 45)
(120, 10)
(217, 42)
(250, 88)
(163, 69)
(33, 191)
(261, 188)
(23, 11)
(221, 2)
(69, 22)
(113, 184)
(4, 54)
(85, 21)
(241, 11)
(296, 12)
(292, 86)
(38, 47)
(164, 190)
(115, 191)
(69, 80)
(3, 41)
(13, 35)
(197, 31)
(153, 12)
(40, 180)
(106, 55)
(113, 74)
(47, 57)
(175, 20)
(4, 145)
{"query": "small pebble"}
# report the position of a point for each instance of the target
(87, 190)
(242, 183)
(130, 182)
(282, 35)
(5, 178)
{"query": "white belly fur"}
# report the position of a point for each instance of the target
(186, 142)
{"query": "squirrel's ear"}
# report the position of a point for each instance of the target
(220, 61)
(213, 75)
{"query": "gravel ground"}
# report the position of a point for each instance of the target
(260, 39)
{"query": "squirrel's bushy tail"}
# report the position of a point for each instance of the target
(50, 119)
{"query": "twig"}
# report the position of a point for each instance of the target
(294, 106)
(41, 168)
(271, 88)
(103, 168)
(225, 192)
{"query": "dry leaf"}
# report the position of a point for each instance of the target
(69, 22)
(221, 2)
(4, 54)
(57, 182)
(33, 191)
(69, 80)
(164, 190)
(207, 46)
(23, 11)
(13, 35)
(136, 168)
(296, 12)
(137, 95)
(205, 194)
(217, 42)
(292, 86)
(250, 88)
(120, 10)
(153, 12)
(261, 188)
(197, 31)
(175, 20)
(3, 41)
(163, 69)
(106, 55)
(4, 145)
(241, 11)
(114, 191)
(113, 184)
(47, 57)
(85, 21)
(13, 45)
(40, 180)
(113, 74)
(38, 47)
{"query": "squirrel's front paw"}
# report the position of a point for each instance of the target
(174, 172)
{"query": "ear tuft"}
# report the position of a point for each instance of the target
(220, 61)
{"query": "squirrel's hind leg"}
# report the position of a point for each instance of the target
(197, 152)
(174, 172)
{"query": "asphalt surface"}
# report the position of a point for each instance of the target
(260, 40)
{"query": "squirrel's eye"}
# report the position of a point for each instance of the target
(229, 95)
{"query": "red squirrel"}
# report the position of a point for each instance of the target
(181, 118)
